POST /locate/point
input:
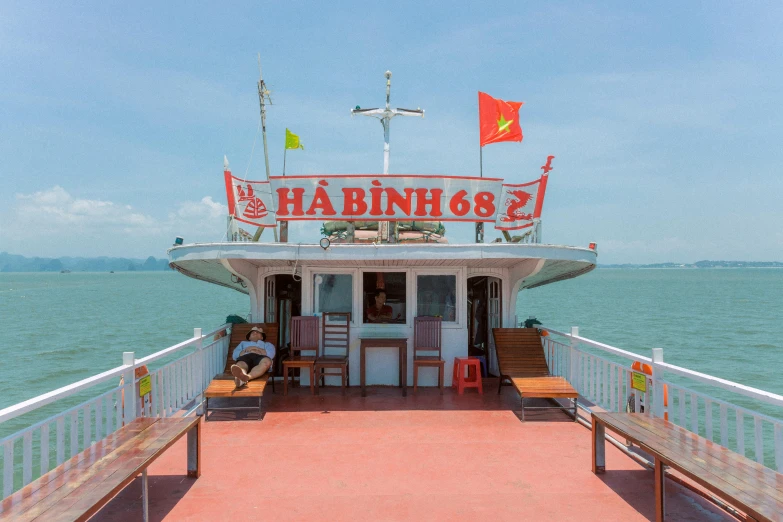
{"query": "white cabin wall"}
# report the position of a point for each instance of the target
(517, 275)
(248, 272)
(382, 363)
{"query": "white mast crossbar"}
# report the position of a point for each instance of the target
(385, 116)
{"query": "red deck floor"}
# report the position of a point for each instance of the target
(385, 457)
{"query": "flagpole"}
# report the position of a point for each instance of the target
(480, 225)
(285, 150)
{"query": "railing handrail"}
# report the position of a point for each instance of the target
(601, 346)
(748, 391)
(60, 393)
(42, 400)
(720, 402)
(167, 351)
(741, 389)
(218, 329)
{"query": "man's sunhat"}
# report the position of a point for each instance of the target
(254, 329)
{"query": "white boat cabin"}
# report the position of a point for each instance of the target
(472, 287)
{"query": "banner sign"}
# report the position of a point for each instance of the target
(519, 205)
(368, 197)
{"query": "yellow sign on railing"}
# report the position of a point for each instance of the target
(145, 386)
(639, 382)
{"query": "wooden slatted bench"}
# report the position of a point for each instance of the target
(223, 387)
(78, 488)
(747, 485)
(522, 362)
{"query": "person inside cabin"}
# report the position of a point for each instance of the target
(253, 357)
(379, 312)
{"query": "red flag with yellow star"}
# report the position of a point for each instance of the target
(498, 120)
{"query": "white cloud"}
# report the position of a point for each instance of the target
(55, 207)
(85, 227)
(206, 208)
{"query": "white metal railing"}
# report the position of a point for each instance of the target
(602, 374)
(48, 443)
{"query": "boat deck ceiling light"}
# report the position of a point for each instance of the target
(324, 243)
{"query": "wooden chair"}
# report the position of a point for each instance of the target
(521, 361)
(304, 338)
(427, 338)
(335, 340)
(223, 387)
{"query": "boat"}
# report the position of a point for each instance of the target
(373, 452)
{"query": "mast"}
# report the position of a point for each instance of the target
(385, 116)
(263, 95)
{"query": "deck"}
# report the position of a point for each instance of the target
(385, 457)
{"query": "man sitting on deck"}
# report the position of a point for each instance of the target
(253, 357)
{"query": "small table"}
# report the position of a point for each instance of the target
(400, 343)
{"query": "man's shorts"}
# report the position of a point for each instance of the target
(252, 359)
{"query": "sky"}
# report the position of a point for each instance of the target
(665, 118)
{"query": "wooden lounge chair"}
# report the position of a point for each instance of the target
(522, 362)
(223, 387)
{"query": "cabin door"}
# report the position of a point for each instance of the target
(484, 308)
(282, 300)
(493, 321)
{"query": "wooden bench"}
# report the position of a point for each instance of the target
(223, 387)
(521, 361)
(78, 488)
(747, 485)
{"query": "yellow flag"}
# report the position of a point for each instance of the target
(292, 141)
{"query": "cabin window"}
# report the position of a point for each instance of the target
(436, 296)
(384, 297)
(332, 293)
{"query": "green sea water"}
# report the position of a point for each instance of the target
(58, 328)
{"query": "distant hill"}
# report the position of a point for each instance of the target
(704, 264)
(15, 263)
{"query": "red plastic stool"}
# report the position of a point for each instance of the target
(473, 379)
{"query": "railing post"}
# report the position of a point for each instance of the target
(574, 366)
(129, 380)
(657, 377)
(198, 371)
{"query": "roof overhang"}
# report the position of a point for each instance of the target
(536, 264)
